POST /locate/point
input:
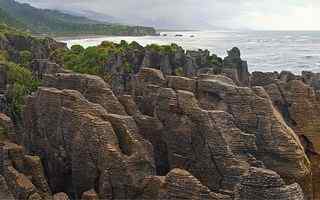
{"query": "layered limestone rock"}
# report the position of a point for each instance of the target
(21, 176)
(40, 67)
(84, 147)
(92, 87)
(298, 102)
(14, 43)
(239, 67)
(178, 184)
(252, 134)
(261, 184)
(254, 114)
(7, 127)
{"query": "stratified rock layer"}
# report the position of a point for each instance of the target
(84, 147)
(262, 184)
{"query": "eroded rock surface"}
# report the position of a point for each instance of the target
(84, 147)
(266, 184)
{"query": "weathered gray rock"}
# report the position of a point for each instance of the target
(90, 195)
(40, 67)
(92, 87)
(7, 127)
(3, 79)
(60, 196)
(87, 146)
(178, 184)
(5, 193)
(254, 114)
(233, 61)
(262, 184)
(195, 143)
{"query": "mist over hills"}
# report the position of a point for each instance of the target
(45, 21)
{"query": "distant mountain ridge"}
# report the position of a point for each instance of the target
(45, 21)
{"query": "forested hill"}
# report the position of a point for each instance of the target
(44, 21)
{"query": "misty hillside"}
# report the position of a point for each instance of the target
(54, 22)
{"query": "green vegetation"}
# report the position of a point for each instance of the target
(166, 49)
(92, 59)
(215, 60)
(25, 57)
(21, 84)
(179, 71)
(5, 18)
(3, 56)
(26, 17)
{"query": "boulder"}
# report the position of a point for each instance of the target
(90, 195)
(60, 196)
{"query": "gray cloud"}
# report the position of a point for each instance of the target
(254, 14)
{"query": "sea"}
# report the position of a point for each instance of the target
(266, 51)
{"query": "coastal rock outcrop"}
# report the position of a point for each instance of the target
(92, 87)
(21, 175)
(178, 184)
(246, 135)
(262, 184)
(254, 114)
(233, 62)
(84, 147)
(298, 102)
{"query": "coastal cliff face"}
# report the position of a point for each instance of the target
(184, 125)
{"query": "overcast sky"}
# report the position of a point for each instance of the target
(202, 14)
